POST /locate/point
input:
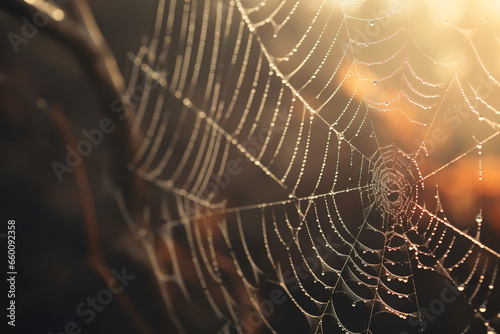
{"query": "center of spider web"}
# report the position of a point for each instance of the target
(393, 192)
(395, 183)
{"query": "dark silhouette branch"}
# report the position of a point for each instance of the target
(79, 33)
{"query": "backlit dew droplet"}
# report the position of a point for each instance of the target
(58, 15)
(372, 23)
(491, 287)
(41, 103)
(479, 146)
(481, 117)
(461, 287)
(479, 218)
(374, 83)
(482, 308)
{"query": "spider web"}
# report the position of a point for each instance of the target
(302, 149)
